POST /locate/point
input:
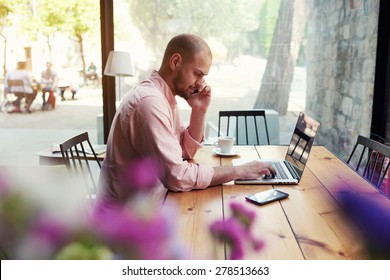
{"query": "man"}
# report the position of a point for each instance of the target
(20, 82)
(147, 125)
(91, 71)
(49, 81)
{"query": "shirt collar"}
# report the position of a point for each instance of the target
(159, 81)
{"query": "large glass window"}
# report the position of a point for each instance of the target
(66, 34)
(288, 56)
(282, 55)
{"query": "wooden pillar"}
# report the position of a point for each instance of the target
(108, 83)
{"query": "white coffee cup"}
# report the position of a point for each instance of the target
(225, 143)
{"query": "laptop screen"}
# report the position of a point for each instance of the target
(301, 142)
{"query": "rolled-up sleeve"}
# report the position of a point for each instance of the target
(205, 174)
(188, 144)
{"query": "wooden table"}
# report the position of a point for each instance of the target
(310, 224)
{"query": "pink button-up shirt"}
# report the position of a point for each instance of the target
(148, 125)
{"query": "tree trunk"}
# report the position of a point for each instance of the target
(81, 46)
(4, 55)
(48, 42)
(276, 83)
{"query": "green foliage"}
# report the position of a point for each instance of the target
(229, 21)
(83, 16)
(268, 19)
(85, 246)
(46, 17)
(5, 10)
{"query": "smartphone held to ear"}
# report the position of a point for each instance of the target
(265, 197)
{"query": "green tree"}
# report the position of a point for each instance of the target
(276, 82)
(268, 18)
(5, 10)
(229, 21)
(43, 18)
(49, 18)
(83, 18)
(275, 86)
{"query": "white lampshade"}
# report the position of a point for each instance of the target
(118, 64)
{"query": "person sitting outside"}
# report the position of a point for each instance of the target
(20, 82)
(49, 82)
(72, 88)
(67, 81)
(147, 125)
(91, 73)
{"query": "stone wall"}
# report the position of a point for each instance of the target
(341, 54)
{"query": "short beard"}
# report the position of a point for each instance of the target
(184, 95)
(178, 91)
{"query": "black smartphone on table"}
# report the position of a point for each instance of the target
(265, 197)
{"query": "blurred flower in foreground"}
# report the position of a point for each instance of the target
(44, 219)
(139, 229)
(143, 174)
(372, 217)
(134, 235)
(236, 231)
(83, 245)
(29, 227)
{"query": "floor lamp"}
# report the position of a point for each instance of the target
(118, 65)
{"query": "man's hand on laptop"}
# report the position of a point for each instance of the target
(256, 169)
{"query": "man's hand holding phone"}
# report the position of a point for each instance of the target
(201, 98)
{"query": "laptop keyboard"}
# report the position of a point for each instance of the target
(280, 174)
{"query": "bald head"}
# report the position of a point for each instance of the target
(187, 59)
(187, 45)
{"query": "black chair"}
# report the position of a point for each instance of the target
(77, 153)
(248, 121)
(8, 103)
(371, 159)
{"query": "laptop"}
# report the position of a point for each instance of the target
(290, 170)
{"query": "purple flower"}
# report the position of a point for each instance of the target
(135, 236)
(49, 231)
(257, 244)
(236, 231)
(143, 174)
(131, 231)
(373, 217)
(231, 232)
(243, 214)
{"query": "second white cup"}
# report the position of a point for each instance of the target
(225, 143)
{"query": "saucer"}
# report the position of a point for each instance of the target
(234, 152)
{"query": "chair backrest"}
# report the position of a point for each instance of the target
(15, 83)
(245, 125)
(15, 86)
(77, 152)
(371, 159)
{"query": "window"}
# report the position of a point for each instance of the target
(315, 56)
